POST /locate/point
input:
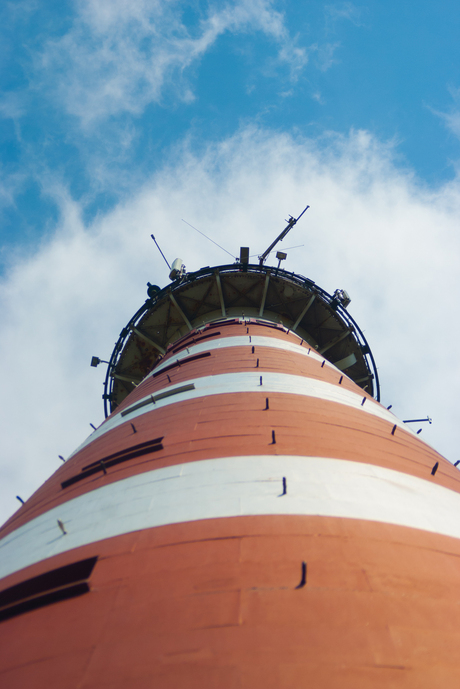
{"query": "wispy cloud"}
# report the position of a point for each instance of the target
(318, 97)
(325, 55)
(451, 118)
(343, 11)
(452, 121)
(118, 57)
(371, 229)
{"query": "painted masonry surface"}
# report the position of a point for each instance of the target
(248, 515)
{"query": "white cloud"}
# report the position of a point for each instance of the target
(344, 10)
(11, 184)
(371, 229)
(452, 121)
(118, 56)
(318, 97)
(325, 55)
(451, 118)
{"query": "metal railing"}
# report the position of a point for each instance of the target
(189, 278)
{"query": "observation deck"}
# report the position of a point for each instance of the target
(213, 296)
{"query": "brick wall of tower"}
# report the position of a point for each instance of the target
(206, 507)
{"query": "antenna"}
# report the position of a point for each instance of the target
(211, 240)
(290, 224)
(287, 248)
(160, 251)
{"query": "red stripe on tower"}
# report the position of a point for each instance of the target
(247, 516)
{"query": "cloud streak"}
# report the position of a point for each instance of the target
(118, 57)
(371, 229)
(343, 11)
(451, 118)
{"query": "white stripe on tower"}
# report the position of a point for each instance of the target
(234, 487)
(244, 382)
(243, 341)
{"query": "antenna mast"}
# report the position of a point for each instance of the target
(290, 224)
(158, 246)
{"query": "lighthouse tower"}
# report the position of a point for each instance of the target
(248, 516)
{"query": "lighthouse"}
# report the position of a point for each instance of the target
(248, 515)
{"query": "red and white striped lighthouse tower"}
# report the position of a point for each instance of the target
(248, 516)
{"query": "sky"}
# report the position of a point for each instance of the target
(122, 119)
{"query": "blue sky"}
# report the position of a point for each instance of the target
(95, 95)
(119, 119)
